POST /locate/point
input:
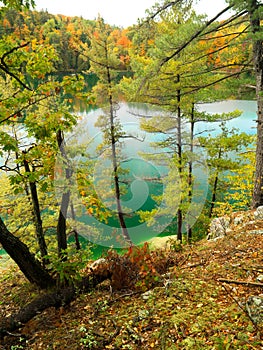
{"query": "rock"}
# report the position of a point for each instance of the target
(239, 219)
(218, 227)
(254, 307)
(259, 213)
(260, 278)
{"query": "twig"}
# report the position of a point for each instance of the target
(253, 284)
(260, 269)
(13, 334)
(113, 336)
(184, 261)
(123, 296)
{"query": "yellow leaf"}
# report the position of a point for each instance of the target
(90, 211)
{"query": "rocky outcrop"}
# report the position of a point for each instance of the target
(250, 221)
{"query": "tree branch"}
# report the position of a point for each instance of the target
(194, 36)
(5, 67)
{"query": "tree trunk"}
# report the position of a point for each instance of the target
(190, 170)
(26, 261)
(76, 236)
(113, 141)
(179, 225)
(213, 200)
(37, 215)
(253, 8)
(180, 161)
(215, 185)
(62, 223)
(65, 200)
(123, 226)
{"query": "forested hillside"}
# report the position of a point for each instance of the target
(68, 35)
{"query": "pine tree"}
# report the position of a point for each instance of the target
(106, 65)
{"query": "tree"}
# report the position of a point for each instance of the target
(240, 184)
(32, 103)
(177, 86)
(18, 4)
(14, 247)
(105, 64)
(222, 158)
(253, 9)
(26, 261)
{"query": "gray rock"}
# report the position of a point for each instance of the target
(218, 227)
(238, 220)
(254, 307)
(259, 213)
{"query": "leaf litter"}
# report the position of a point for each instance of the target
(188, 308)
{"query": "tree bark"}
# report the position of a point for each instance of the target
(26, 261)
(253, 10)
(214, 192)
(190, 169)
(180, 161)
(76, 235)
(37, 215)
(62, 223)
(65, 200)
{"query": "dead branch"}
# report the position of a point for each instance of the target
(247, 283)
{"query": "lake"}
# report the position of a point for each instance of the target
(245, 123)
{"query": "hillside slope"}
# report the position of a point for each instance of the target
(195, 305)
